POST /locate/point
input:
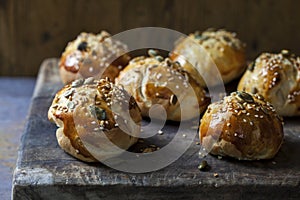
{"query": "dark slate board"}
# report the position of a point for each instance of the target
(44, 171)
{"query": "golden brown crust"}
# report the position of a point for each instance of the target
(277, 78)
(154, 80)
(225, 51)
(89, 55)
(89, 111)
(242, 126)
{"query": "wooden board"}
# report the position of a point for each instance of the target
(44, 171)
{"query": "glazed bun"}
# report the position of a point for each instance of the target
(221, 49)
(154, 80)
(89, 115)
(276, 77)
(242, 126)
(91, 55)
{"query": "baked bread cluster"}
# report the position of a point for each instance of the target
(218, 48)
(154, 80)
(276, 77)
(95, 114)
(88, 111)
(242, 126)
(91, 55)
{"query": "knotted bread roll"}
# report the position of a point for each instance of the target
(93, 117)
(154, 80)
(220, 49)
(276, 77)
(242, 126)
(91, 55)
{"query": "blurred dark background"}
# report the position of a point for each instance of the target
(32, 30)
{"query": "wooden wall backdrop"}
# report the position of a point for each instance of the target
(32, 30)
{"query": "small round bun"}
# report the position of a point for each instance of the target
(276, 77)
(154, 80)
(87, 124)
(225, 50)
(242, 126)
(93, 55)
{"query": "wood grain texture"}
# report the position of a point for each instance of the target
(32, 30)
(44, 171)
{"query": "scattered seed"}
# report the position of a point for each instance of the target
(98, 112)
(285, 52)
(173, 99)
(77, 83)
(82, 46)
(68, 93)
(159, 58)
(71, 105)
(216, 175)
(203, 165)
(89, 80)
(245, 96)
(152, 52)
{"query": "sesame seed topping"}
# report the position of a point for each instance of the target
(158, 76)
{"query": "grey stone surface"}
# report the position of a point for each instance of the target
(44, 171)
(15, 95)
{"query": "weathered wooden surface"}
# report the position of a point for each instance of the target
(44, 171)
(15, 95)
(32, 30)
